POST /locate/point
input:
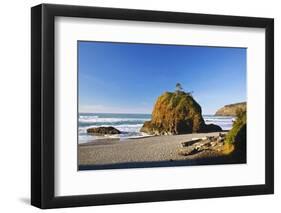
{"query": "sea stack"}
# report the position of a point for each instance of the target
(177, 113)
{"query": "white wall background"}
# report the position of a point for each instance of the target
(15, 105)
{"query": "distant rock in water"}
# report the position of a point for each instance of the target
(103, 130)
(231, 109)
(177, 113)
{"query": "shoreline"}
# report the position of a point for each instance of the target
(155, 151)
(130, 124)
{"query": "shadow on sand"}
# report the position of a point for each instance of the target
(170, 163)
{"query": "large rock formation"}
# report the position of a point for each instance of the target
(231, 109)
(177, 113)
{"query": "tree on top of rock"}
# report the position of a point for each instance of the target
(179, 88)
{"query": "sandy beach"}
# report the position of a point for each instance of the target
(152, 151)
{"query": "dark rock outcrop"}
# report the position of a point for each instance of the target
(211, 128)
(231, 109)
(177, 113)
(103, 130)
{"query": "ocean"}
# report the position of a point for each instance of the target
(130, 124)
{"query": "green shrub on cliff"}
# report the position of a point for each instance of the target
(235, 143)
(238, 126)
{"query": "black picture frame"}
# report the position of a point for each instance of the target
(43, 102)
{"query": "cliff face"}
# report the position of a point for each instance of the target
(231, 109)
(177, 113)
(237, 136)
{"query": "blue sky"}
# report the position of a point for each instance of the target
(128, 78)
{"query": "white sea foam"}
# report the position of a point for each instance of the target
(225, 122)
(123, 128)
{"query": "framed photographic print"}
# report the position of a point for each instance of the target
(139, 106)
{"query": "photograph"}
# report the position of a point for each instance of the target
(144, 105)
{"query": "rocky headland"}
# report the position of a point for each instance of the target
(231, 109)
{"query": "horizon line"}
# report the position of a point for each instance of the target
(130, 113)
